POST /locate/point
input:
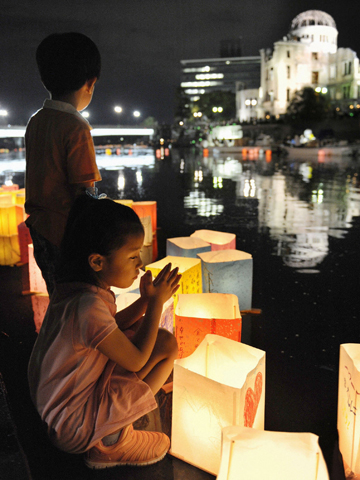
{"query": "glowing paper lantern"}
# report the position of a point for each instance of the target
(222, 383)
(186, 246)
(217, 240)
(10, 217)
(9, 250)
(167, 316)
(202, 313)
(144, 210)
(228, 271)
(257, 455)
(128, 203)
(40, 303)
(348, 422)
(36, 280)
(190, 269)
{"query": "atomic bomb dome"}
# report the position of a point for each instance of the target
(312, 17)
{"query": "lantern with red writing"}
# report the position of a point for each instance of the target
(202, 313)
(222, 383)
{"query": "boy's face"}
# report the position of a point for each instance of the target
(86, 94)
(121, 267)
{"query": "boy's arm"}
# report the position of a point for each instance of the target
(131, 314)
(80, 188)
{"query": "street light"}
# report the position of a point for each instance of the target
(117, 109)
(3, 113)
(136, 113)
(85, 114)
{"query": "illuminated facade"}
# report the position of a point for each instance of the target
(307, 56)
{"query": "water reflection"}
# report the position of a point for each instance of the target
(301, 205)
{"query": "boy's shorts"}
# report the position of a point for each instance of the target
(46, 255)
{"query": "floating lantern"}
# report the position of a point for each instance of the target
(257, 455)
(268, 154)
(167, 316)
(36, 280)
(10, 217)
(186, 246)
(348, 422)
(9, 250)
(189, 268)
(10, 188)
(222, 383)
(144, 210)
(217, 240)
(20, 197)
(40, 303)
(228, 271)
(202, 313)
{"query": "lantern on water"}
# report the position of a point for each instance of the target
(217, 240)
(258, 455)
(144, 210)
(9, 250)
(228, 271)
(222, 383)
(189, 268)
(202, 313)
(348, 421)
(10, 217)
(36, 280)
(167, 316)
(186, 246)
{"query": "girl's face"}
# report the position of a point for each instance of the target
(121, 267)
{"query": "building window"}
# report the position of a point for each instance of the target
(288, 53)
(332, 72)
(288, 94)
(315, 77)
(271, 73)
(288, 71)
(346, 91)
(347, 68)
(315, 56)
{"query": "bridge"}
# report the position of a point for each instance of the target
(19, 131)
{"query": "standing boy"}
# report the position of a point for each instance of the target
(60, 154)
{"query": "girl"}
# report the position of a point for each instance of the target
(88, 381)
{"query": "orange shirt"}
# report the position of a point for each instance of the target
(59, 153)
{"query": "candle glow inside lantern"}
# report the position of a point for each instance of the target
(202, 313)
(144, 210)
(186, 246)
(257, 455)
(9, 250)
(10, 217)
(228, 271)
(217, 240)
(222, 383)
(190, 269)
(348, 421)
(167, 317)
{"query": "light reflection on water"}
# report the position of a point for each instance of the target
(300, 204)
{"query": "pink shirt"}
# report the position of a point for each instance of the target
(79, 393)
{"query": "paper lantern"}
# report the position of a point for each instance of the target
(128, 203)
(228, 271)
(36, 280)
(10, 188)
(222, 383)
(10, 217)
(257, 455)
(20, 197)
(186, 246)
(24, 241)
(202, 313)
(348, 422)
(167, 317)
(144, 210)
(217, 240)
(9, 250)
(6, 198)
(40, 303)
(190, 269)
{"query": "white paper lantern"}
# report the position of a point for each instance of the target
(222, 383)
(228, 271)
(217, 240)
(247, 453)
(186, 246)
(348, 408)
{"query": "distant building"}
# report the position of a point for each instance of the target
(207, 75)
(307, 56)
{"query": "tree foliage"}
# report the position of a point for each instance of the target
(309, 105)
(219, 98)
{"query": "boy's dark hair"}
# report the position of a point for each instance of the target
(94, 226)
(66, 61)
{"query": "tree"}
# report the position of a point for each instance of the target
(182, 104)
(307, 104)
(208, 102)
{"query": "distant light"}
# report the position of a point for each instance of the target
(117, 109)
(220, 109)
(181, 123)
(324, 90)
(254, 102)
(351, 106)
(98, 132)
(318, 89)
(214, 109)
(337, 109)
(3, 113)
(136, 113)
(85, 114)
(247, 101)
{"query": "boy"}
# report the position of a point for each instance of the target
(60, 154)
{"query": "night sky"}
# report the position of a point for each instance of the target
(142, 43)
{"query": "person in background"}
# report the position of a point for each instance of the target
(88, 378)
(60, 153)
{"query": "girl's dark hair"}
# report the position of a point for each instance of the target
(94, 226)
(66, 61)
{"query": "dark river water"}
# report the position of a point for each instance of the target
(300, 222)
